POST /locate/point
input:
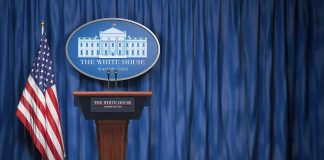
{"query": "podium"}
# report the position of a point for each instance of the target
(111, 110)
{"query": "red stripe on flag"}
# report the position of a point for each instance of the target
(55, 129)
(33, 115)
(53, 98)
(52, 147)
(54, 101)
(34, 95)
(45, 134)
(24, 121)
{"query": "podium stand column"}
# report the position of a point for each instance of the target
(112, 139)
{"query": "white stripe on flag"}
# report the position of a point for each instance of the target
(32, 103)
(36, 89)
(55, 116)
(48, 128)
(53, 111)
(54, 139)
(36, 131)
(60, 129)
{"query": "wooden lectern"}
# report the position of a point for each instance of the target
(111, 110)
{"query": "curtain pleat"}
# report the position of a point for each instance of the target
(235, 79)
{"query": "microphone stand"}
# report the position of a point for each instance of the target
(116, 72)
(108, 77)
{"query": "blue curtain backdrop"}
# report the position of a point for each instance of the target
(236, 79)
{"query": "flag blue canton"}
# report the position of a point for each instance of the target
(42, 69)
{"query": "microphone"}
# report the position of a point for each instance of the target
(116, 72)
(108, 76)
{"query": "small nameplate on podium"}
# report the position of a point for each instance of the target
(112, 104)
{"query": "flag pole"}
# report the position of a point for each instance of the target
(43, 26)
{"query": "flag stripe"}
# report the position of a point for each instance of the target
(39, 140)
(54, 100)
(41, 127)
(54, 144)
(27, 99)
(56, 129)
(40, 103)
(54, 125)
(34, 116)
(50, 147)
(22, 110)
(52, 130)
(52, 103)
(53, 90)
(37, 91)
(28, 109)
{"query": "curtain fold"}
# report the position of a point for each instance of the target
(235, 79)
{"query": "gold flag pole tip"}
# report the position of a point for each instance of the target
(42, 26)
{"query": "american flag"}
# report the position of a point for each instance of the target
(38, 107)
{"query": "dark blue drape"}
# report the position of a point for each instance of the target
(236, 79)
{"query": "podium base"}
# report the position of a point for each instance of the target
(112, 139)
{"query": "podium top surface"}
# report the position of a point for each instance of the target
(113, 93)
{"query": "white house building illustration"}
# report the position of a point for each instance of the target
(112, 43)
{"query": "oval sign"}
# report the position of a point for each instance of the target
(120, 45)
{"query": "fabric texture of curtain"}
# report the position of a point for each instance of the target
(236, 79)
